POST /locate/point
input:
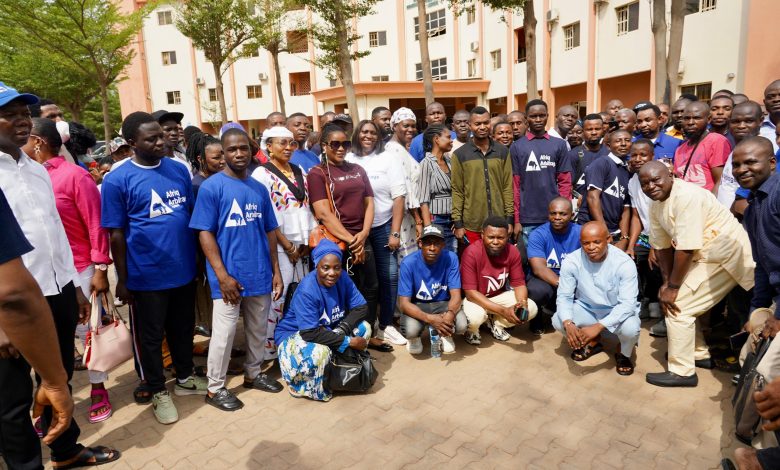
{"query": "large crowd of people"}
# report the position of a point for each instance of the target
(372, 235)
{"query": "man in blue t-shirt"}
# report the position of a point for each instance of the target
(607, 181)
(434, 114)
(237, 227)
(299, 125)
(429, 292)
(547, 247)
(146, 205)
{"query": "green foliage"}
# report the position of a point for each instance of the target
(461, 5)
(273, 23)
(92, 115)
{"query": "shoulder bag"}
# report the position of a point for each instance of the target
(351, 371)
(110, 345)
(746, 417)
(321, 232)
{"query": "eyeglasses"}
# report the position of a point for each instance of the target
(286, 143)
(335, 145)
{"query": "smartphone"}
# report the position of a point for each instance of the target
(521, 313)
(738, 340)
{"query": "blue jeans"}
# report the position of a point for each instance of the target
(527, 229)
(386, 272)
(445, 223)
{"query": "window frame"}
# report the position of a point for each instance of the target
(167, 15)
(377, 38)
(433, 31)
(170, 57)
(173, 97)
(626, 21)
(495, 59)
(571, 36)
(256, 90)
(214, 91)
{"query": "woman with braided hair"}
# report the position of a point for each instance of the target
(204, 152)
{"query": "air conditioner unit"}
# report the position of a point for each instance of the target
(200, 82)
(552, 15)
(262, 76)
(475, 46)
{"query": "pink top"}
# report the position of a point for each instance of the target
(78, 203)
(713, 151)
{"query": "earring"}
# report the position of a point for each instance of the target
(37, 149)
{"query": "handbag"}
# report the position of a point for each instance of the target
(321, 232)
(351, 371)
(288, 296)
(107, 346)
(746, 417)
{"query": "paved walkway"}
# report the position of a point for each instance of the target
(521, 404)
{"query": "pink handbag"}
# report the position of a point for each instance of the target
(110, 345)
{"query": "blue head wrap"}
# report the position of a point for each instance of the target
(323, 248)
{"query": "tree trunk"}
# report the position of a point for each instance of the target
(280, 95)
(424, 54)
(345, 66)
(659, 41)
(220, 91)
(106, 113)
(675, 45)
(529, 25)
(75, 111)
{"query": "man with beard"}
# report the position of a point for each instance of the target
(700, 159)
(720, 113)
(678, 108)
(381, 117)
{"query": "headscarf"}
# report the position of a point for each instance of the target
(274, 132)
(325, 247)
(402, 114)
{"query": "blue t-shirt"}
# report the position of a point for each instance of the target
(580, 158)
(553, 247)
(537, 162)
(314, 305)
(611, 178)
(423, 282)
(240, 213)
(152, 205)
(304, 159)
(15, 244)
(416, 147)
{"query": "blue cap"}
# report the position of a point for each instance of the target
(8, 94)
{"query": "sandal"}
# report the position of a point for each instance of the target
(587, 352)
(88, 457)
(104, 403)
(382, 347)
(141, 395)
(624, 365)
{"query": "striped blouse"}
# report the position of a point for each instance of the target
(435, 185)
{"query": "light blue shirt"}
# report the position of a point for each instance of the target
(768, 130)
(608, 290)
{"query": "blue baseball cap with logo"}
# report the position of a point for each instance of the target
(8, 94)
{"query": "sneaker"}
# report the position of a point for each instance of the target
(224, 400)
(164, 409)
(117, 302)
(193, 386)
(499, 332)
(654, 309)
(392, 335)
(414, 346)
(473, 338)
(659, 329)
(447, 345)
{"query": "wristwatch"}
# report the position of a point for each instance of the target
(396, 235)
(101, 267)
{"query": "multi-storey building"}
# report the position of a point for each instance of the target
(588, 51)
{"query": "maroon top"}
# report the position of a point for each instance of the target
(350, 185)
(487, 274)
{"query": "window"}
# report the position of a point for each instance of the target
(495, 59)
(174, 97)
(438, 69)
(380, 78)
(169, 58)
(703, 91)
(212, 94)
(297, 42)
(377, 38)
(436, 22)
(520, 40)
(300, 84)
(627, 18)
(571, 35)
(707, 5)
(332, 82)
(164, 17)
(254, 92)
(471, 15)
(472, 68)
(696, 6)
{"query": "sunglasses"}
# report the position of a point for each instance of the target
(287, 143)
(335, 145)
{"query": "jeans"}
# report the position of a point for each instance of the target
(527, 229)
(627, 332)
(386, 272)
(445, 223)
(412, 328)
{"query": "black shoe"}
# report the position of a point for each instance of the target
(670, 379)
(699, 363)
(202, 330)
(225, 401)
(264, 383)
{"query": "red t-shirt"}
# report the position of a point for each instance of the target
(350, 186)
(712, 152)
(487, 274)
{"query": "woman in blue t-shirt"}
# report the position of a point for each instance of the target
(326, 311)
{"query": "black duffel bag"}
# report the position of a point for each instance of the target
(746, 417)
(351, 371)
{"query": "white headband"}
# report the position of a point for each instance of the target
(273, 132)
(402, 114)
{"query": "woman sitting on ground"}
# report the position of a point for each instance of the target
(326, 311)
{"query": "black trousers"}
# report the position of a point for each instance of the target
(769, 458)
(168, 313)
(365, 279)
(544, 295)
(650, 279)
(19, 443)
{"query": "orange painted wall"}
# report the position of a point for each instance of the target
(762, 51)
(569, 94)
(629, 89)
(134, 91)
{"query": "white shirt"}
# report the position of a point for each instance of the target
(554, 133)
(727, 191)
(640, 202)
(387, 181)
(411, 169)
(27, 187)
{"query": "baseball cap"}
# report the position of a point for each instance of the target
(642, 105)
(8, 94)
(115, 144)
(432, 231)
(163, 116)
(342, 118)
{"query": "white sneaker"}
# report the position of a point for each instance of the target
(473, 337)
(447, 345)
(392, 335)
(414, 346)
(498, 331)
(655, 310)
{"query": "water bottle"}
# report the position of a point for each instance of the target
(435, 342)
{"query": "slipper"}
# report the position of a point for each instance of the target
(624, 365)
(103, 403)
(384, 347)
(89, 457)
(141, 395)
(587, 352)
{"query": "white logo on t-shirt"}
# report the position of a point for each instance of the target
(423, 293)
(581, 181)
(533, 163)
(236, 216)
(157, 207)
(496, 284)
(552, 260)
(615, 190)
